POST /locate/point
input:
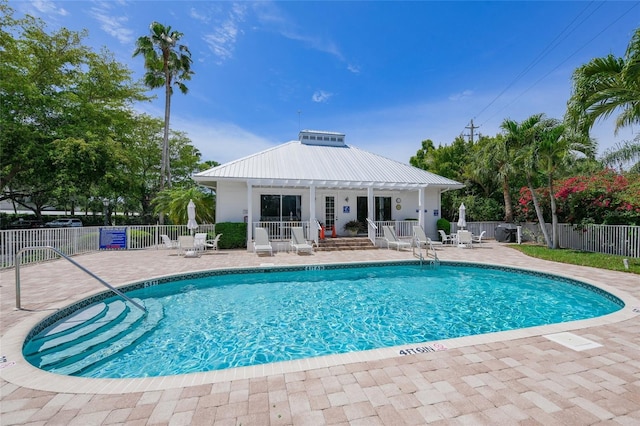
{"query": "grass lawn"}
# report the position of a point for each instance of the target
(583, 258)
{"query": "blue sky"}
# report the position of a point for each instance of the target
(387, 74)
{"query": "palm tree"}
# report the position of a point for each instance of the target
(497, 153)
(625, 152)
(557, 146)
(167, 63)
(522, 138)
(174, 202)
(605, 85)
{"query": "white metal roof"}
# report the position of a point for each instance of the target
(297, 164)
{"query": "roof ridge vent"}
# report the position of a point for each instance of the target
(318, 137)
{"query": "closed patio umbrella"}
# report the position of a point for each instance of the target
(462, 221)
(191, 214)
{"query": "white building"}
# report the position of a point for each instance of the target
(319, 178)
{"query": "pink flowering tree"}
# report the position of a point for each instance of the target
(606, 197)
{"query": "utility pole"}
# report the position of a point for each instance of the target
(472, 128)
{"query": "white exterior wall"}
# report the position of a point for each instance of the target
(432, 203)
(231, 201)
(232, 198)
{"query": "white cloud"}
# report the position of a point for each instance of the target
(274, 19)
(223, 39)
(460, 96)
(195, 14)
(219, 141)
(353, 68)
(320, 96)
(113, 25)
(48, 8)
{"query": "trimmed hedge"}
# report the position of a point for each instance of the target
(444, 225)
(234, 235)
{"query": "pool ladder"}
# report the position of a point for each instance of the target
(434, 262)
(61, 254)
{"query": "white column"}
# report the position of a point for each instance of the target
(371, 214)
(249, 215)
(421, 207)
(313, 231)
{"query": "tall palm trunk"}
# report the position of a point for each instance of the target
(508, 203)
(165, 169)
(536, 205)
(554, 215)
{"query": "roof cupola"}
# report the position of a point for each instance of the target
(317, 137)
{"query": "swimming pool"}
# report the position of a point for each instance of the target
(224, 319)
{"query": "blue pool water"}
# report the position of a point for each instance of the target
(234, 320)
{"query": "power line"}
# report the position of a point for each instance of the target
(561, 63)
(542, 54)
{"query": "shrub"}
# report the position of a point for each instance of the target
(138, 237)
(234, 235)
(444, 225)
(353, 225)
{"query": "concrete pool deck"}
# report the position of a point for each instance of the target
(515, 377)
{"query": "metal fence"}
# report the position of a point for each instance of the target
(621, 240)
(73, 241)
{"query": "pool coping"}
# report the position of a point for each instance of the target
(24, 374)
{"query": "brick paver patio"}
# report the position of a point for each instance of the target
(518, 377)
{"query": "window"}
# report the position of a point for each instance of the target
(383, 208)
(275, 208)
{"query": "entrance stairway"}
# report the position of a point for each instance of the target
(345, 243)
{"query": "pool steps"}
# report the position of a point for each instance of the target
(76, 327)
(72, 345)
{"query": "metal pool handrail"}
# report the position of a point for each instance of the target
(100, 280)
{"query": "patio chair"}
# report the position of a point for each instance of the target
(199, 241)
(187, 246)
(465, 239)
(477, 239)
(213, 244)
(392, 238)
(446, 239)
(421, 239)
(261, 242)
(298, 242)
(168, 242)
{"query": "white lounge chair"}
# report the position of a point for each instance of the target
(298, 242)
(187, 246)
(421, 239)
(168, 242)
(465, 239)
(446, 239)
(261, 242)
(477, 239)
(392, 238)
(199, 241)
(213, 244)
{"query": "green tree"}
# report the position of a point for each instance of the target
(622, 154)
(174, 202)
(167, 63)
(58, 96)
(495, 159)
(140, 163)
(522, 138)
(556, 147)
(606, 85)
